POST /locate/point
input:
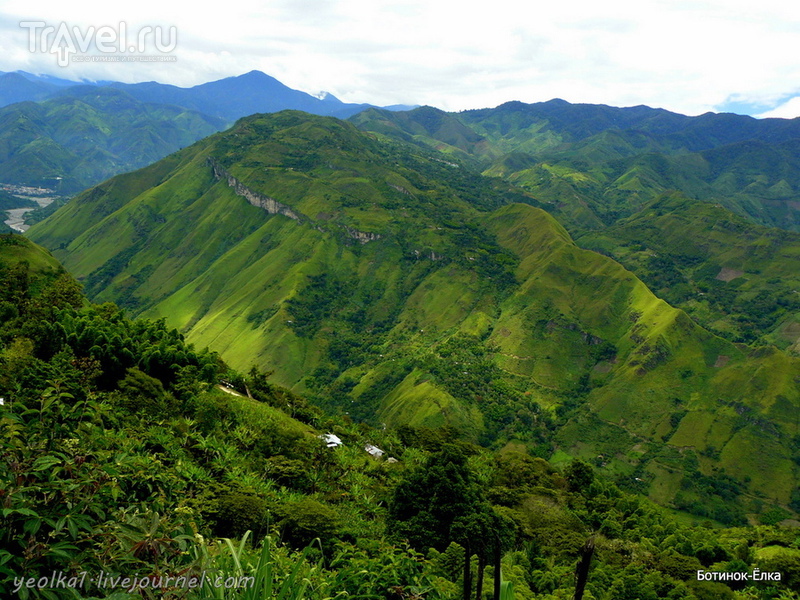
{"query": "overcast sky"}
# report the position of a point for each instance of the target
(687, 56)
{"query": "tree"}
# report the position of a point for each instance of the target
(579, 475)
(430, 500)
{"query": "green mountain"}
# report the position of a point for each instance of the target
(595, 164)
(611, 172)
(398, 286)
(121, 456)
(89, 134)
(40, 267)
(733, 277)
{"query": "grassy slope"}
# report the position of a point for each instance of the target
(375, 328)
(665, 363)
(40, 265)
(731, 276)
(90, 136)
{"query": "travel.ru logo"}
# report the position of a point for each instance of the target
(101, 44)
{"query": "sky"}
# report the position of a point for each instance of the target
(688, 56)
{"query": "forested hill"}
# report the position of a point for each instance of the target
(595, 164)
(394, 284)
(121, 457)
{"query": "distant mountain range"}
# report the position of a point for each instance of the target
(595, 164)
(19, 86)
(80, 133)
(86, 134)
(229, 99)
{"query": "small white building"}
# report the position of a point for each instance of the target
(374, 451)
(331, 440)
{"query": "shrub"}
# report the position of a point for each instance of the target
(237, 513)
(142, 393)
(306, 520)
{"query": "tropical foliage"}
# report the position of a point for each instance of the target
(127, 468)
(394, 285)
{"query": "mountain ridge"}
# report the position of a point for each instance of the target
(594, 164)
(228, 98)
(125, 126)
(87, 134)
(473, 308)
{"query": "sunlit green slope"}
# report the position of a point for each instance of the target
(733, 277)
(398, 286)
(35, 265)
(595, 164)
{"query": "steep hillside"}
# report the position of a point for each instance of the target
(120, 453)
(735, 278)
(659, 387)
(594, 164)
(90, 134)
(397, 286)
(35, 265)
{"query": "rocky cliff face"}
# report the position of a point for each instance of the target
(270, 205)
(361, 236)
(273, 207)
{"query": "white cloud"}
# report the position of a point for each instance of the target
(686, 56)
(788, 110)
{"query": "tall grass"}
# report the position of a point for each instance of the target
(274, 575)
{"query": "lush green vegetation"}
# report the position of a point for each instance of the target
(81, 138)
(140, 470)
(613, 172)
(41, 213)
(735, 278)
(460, 305)
(592, 164)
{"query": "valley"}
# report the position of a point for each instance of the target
(570, 322)
(17, 201)
(16, 216)
(459, 303)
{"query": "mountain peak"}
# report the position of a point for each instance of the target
(326, 97)
(254, 75)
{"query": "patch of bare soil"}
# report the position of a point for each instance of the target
(727, 274)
